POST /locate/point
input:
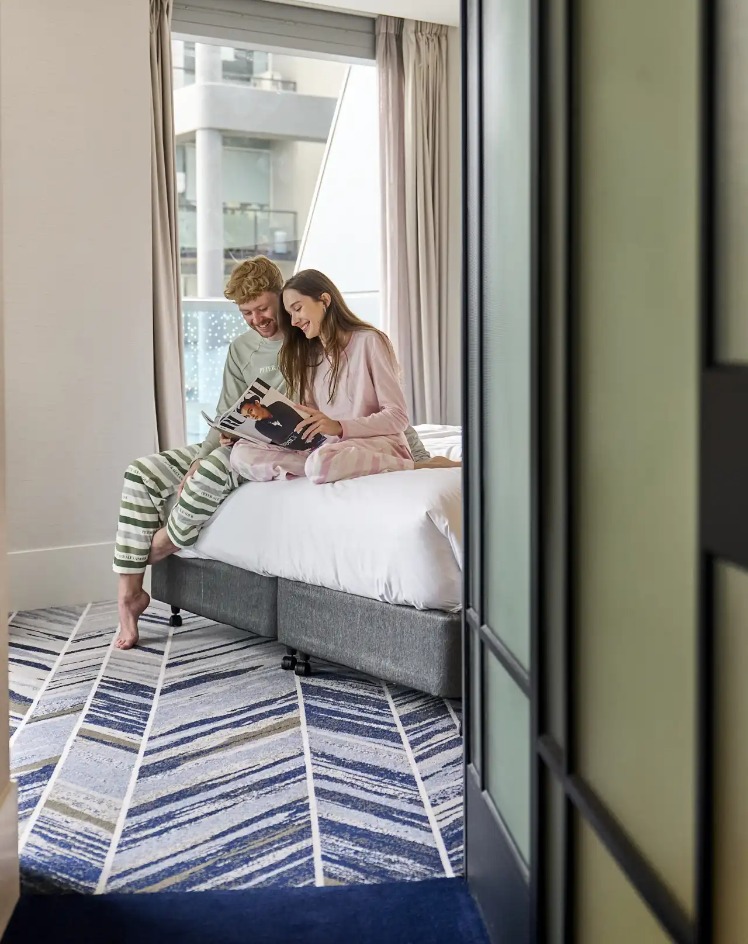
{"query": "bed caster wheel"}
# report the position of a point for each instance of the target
(303, 669)
(175, 619)
(288, 663)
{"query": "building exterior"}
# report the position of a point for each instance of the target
(252, 128)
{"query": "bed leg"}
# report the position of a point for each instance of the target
(175, 619)
(288, 662)
(303, 666)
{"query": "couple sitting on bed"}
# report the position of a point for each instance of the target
(306, 342)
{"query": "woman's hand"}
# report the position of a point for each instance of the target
(227, 440)
(316, 423)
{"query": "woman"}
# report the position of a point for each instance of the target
(344, 373)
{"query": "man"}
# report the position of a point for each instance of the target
(200, 474)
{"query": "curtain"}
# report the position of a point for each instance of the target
(168, 365)
(413, 123)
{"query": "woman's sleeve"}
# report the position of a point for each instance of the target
(392, 416)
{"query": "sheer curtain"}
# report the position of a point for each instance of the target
(412, 68)
(167, 318)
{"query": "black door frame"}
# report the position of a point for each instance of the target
(515, 899)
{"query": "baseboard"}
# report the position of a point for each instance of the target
(58, 576)
(9, 885)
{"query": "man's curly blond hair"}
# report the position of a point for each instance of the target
(253, 277)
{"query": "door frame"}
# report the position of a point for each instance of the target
(516, 900)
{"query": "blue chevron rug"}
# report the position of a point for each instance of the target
(194, 763)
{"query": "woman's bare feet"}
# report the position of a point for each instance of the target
(161, 546)
(131, 608)
(438, 462)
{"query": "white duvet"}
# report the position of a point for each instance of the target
(395, 537)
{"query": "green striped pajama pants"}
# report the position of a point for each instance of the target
(149, 485)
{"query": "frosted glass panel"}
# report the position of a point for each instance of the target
(731, 313)
(506, 325)
(608, 910)
(507, 751)
(731, 771)
(637, 493)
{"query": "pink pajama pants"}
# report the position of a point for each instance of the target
(332, 462)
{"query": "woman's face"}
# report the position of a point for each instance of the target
(306, 313)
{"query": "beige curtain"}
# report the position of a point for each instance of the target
(167, 316)
(412, 67)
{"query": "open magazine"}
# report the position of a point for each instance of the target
(263, 414)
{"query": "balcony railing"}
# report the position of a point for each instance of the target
(185, 76)
(247, 231)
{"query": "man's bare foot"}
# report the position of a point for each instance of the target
(438, 462)
(130, 611)
(161, 546)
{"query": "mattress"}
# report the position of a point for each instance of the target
(395, 537)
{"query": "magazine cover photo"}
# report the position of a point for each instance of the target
(263, 414)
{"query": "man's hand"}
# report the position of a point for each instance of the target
(316, 423)
(190, 472)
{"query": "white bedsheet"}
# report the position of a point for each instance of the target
(395, 537)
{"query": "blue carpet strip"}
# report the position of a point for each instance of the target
(438, 911)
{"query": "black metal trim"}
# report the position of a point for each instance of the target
(509, 662)
(571, 437)
(724, 462)
(705, 653)
(705, 737)
(536, 873)
(466, 460)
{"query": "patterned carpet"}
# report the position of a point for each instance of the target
(195, 763)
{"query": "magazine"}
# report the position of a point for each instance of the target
(263, 414)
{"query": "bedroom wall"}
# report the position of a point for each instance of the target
(74, 92)
(9, 886)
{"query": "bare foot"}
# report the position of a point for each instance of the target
(130, 611)
(161, 546)
(438, 462)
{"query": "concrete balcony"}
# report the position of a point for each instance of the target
(256, 112)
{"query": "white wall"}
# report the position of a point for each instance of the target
(9, 879)
(75, 93)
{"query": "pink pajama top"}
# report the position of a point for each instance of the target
(369, 399)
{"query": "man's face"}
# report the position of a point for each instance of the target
(261, 314)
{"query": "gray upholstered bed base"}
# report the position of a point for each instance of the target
(219, 592)
(417, 648)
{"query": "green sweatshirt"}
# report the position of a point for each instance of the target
(251, 356)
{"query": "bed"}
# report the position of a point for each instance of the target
(366, 573)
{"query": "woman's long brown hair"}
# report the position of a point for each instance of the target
(299, 358)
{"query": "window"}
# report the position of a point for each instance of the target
(285, 165)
